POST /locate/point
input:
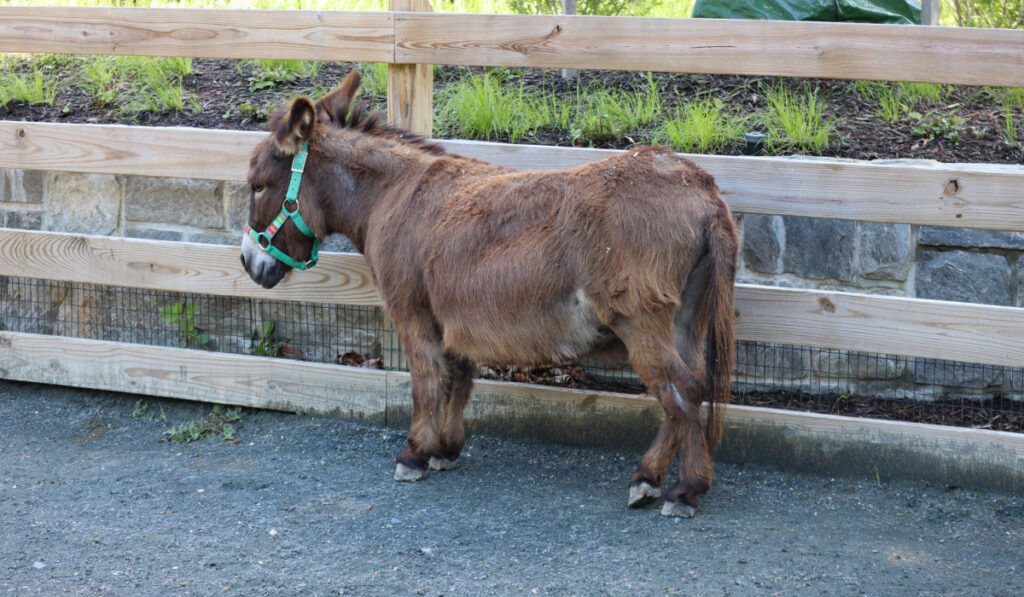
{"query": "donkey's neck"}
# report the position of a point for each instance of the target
(377, 171)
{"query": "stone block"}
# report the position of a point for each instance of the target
(969, 238)
(236, 200)
(817, 248)
(963, 276)
(23, 219)
(21, 186)
(179, 201)
(839, 363)
(884, 251)
(82, 203)
(1020, 282)
(958, 375)
(338, 243)
(214, 237)
(152, 233)
(33, 306)
(773, 361)
(763, 243)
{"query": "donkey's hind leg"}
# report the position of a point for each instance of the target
(453, 431)
(652, 351)
(430, 382)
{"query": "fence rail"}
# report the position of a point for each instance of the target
(966, 56)
(935, 194)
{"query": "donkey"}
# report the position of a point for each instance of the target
(476, 263)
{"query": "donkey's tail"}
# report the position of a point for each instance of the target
(717, 310)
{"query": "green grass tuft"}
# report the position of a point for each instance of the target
(797, 122)
(217, 424)
(700, 127)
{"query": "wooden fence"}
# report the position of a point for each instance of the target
(944, 195)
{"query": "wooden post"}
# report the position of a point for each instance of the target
(411, 86)
(569, 8)
(930, 12)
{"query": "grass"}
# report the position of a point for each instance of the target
(375, 78)
(886, 98)
(481, 107)
(700, 127)
(797, 121)
(611, 115)
(1009, 128)
(217, 424)
(34, 89)
(271, 74)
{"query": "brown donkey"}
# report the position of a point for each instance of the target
(477, 263)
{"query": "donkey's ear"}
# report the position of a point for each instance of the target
(334, 106)
(294, 129)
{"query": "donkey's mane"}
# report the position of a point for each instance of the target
(359, 117)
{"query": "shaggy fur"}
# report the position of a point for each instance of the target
(634, 254)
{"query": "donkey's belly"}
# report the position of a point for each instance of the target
(543, 336)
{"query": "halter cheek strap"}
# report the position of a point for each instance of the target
(265, 239)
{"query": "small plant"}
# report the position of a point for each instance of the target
(700, 127)
(217, 424)
(183, 315)
(482, 108)
(916, 93)
(254, 113)
(887, 98)
(34, 90)
(797, 122)
(932, 126)
(141, 410)
(263, 343)
(1009, 128)
(101, 76)
(158, 86)
(609, 116)
(375, 78)
(271, 74)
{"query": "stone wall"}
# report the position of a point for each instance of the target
(893, 259)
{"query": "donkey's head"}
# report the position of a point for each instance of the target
(287, 209)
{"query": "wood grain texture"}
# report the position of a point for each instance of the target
(964, 56)
(199, 33)
(910, 192)
(554, 414)
(894, 325)
(242, 380)
(183, 267)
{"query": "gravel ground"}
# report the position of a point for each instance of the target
(94, 501)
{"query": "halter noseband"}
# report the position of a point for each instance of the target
(265, 239)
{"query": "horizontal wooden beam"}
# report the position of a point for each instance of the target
(928, 193)
(199, 33)
(946, 455)
(341, 278)
(892, 325)
(959, 55)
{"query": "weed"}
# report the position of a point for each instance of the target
(916, 93)
(183, 315)
(254, 113)
(34, 90)
(613, 115)
(878, 477)
(375, 78)
(887, 98)
(933, 126)
(216, 424)
(158, 86)
(1008, 97)
(700, 127)
(271, 74)
(262, 342)
(102, 76)
(482, 108)
(1009, 128)
(797, 122)
(141, 410)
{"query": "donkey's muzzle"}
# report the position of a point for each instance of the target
(262, 268)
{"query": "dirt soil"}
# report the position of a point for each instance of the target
(96, 502)
(222, 86)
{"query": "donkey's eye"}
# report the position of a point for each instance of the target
(257, 188)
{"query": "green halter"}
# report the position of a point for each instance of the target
(265, 239)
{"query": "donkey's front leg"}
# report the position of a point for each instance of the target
(429, 386)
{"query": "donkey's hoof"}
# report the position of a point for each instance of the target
(443, 464)
(642, 494)
(678, 510)
(406, 473)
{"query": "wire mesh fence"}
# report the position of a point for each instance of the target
(773, 375)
